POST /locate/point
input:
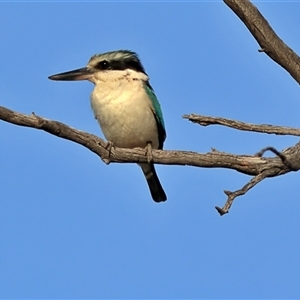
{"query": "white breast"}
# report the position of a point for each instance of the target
(123, 110)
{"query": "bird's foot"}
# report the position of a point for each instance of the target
(108, 147)
(148, 152)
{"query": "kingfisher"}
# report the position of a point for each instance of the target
(125, 106)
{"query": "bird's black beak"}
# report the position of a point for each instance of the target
(79, 74)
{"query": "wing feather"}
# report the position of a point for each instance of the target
(157, 112)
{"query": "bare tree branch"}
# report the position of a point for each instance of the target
(263, 128)
(293, 165)
(251, 165)
(232, 195)
(268, 40)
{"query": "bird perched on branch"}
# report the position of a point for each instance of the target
(125, 105)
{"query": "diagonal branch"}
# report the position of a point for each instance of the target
(231, 196)
(268, 40)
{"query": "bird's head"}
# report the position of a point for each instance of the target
(104, 63)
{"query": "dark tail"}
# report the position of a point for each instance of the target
(157, 192)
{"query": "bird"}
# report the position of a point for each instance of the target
(125, 106)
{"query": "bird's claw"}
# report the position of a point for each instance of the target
(148, 152)
(108, 147)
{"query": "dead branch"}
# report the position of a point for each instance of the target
(232, 195)
(263, 128)
(247, 164)
(254, 165)
(268, 40)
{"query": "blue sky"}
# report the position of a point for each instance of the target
(72, 227)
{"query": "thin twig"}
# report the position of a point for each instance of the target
(231, 196)
(283, 158)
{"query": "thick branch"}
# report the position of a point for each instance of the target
(251, 165)
(268, 40)
(263, 128)
(287, 161)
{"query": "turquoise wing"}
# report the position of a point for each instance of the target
(157, 114)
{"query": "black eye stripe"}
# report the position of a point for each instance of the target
(103, 65)
(120, 65)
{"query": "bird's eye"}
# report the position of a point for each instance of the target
(103, 65)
